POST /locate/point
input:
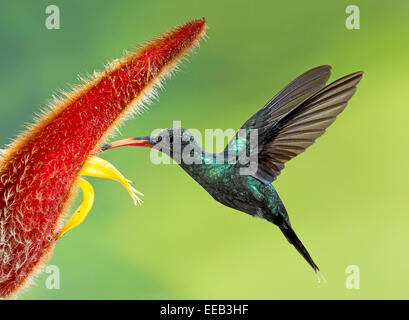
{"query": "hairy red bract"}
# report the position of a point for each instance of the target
(38, 171)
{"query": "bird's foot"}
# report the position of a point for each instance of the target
(96, 167)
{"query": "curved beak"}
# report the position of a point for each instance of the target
(136, 142)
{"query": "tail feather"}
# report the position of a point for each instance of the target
(291, 236)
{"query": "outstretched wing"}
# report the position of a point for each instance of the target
(300, 128)
(288, 99)
(278, 107)
(289, 130)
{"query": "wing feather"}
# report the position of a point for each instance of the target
(299, 129)
(289, 98)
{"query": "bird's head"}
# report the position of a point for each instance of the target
(172, 141)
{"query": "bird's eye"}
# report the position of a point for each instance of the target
(192, 138)
(159, 139)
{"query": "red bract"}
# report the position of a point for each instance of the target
(38, 171)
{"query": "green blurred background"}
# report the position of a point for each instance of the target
(347, 195)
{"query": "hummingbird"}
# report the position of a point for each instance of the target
(282, 129)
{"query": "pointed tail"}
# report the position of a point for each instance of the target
(291, 236)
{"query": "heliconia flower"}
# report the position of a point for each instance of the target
(40, 169)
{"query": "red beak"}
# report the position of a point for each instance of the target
(136, 142)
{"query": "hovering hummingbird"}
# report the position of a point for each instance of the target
(287, 125)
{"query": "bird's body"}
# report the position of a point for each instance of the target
(285, 127)
(226, 185)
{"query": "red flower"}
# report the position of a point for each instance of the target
(38, 171)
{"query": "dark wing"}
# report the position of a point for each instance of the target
(268, 117)
(289, 98)
(298, 129)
